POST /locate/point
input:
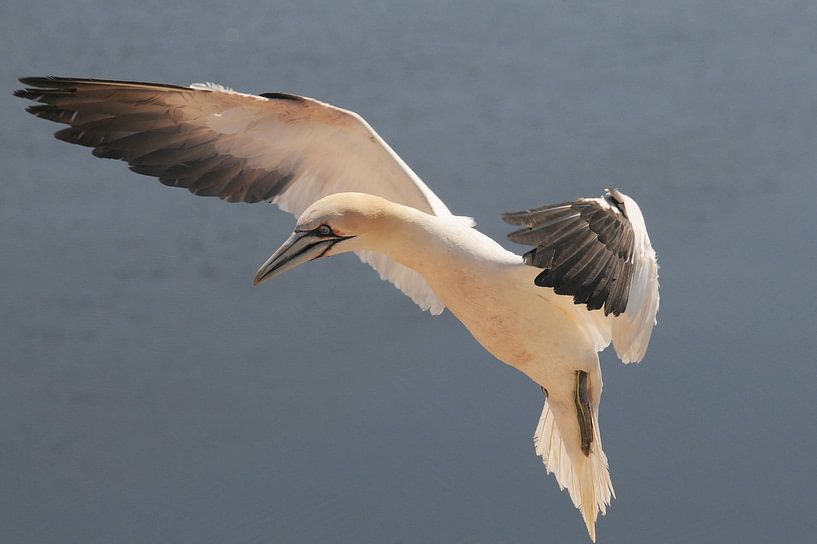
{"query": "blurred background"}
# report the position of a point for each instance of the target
(149, 394)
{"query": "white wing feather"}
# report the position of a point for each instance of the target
(632, 329)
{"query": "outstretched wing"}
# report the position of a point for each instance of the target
(276, 147)
(597, 250)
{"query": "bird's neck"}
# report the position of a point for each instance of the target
(432, 245)
(406, 235)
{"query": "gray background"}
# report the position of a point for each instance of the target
(149, 394)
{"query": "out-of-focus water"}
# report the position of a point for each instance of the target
(149, 394)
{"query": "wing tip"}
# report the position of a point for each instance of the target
(34, 86)
(509, 217)
(35, 81)
(61, 83)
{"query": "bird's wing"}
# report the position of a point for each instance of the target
(597, 250)
(632, 329)
(276, 147)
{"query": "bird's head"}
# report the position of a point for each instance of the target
(335, 224)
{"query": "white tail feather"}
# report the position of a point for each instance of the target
(586, 478)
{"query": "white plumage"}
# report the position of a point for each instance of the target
(591, 277)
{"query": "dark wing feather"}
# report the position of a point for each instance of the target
(277, 147)
(155, 130)
(585, 249)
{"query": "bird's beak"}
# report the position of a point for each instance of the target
(299, 248)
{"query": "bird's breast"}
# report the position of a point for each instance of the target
(501, 308)
(492, 292)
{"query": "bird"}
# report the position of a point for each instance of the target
(588, 279)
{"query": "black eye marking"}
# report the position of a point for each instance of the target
(324, 230)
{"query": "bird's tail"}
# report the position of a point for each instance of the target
(586, 477)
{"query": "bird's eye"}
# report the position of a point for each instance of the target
(324, 230)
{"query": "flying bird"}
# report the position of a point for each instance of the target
(589, 278)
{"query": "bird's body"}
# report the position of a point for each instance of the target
(590, 279)
(492, 292)
(488, 288)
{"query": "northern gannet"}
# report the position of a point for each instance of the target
(590, 278)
